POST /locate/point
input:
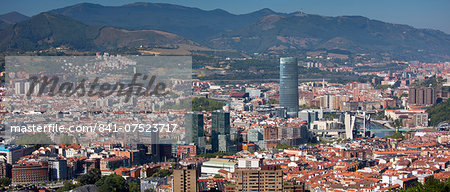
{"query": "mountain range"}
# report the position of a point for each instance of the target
(45, 30)
(8, 19)
(192, 23)
(353, 33)
(93, 26)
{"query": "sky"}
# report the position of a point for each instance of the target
(432, 14)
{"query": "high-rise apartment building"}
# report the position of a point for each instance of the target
(264, 178)
(185, 179)
(422, 96)
(289, 85)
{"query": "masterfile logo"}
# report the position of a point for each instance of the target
(116, 99)
(105, 89)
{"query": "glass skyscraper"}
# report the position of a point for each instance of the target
(220, 125)
(289, 85)
(220, 122)
(194, 127)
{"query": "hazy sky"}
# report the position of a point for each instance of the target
(433, 14)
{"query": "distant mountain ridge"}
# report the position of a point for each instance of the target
(266, 30)
(354, 33)
(11, 18)
(150, 24)
(46, 30)
(192, 23)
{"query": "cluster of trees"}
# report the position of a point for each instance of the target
(213, 155)
(432, 81)
(284, 146)
(110, 183)
(398, 123)
(430, 185)
(204, 104)
(4, 182)
(397, 135)
(330, 116)
(439, 113)
(380, 115)
(162, 173)
(273, 101)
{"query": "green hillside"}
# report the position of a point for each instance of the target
(353, 33)
(45, 30)
(191, 23)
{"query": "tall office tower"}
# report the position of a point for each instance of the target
(220, 126)
(224, 143)
(154, 147)
(185, 178)
(289, 85)
(194, 130)
(193, 127)
(349, 123)
(265, 178)
(220, 122)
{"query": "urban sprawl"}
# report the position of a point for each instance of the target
(287, 135)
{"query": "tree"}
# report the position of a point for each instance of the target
(439, 113)
(273, 101)
(380, 115)
(432, 81)
(90, 178)
(204, 104)
(404, 95)
(134, 187)
(330, 116)
(67, 187)
(430, 185)
(162, 173)
(213, 155)
(397, 123)
(112, 183)
(5, 181)
(397, 135)
(217, 176)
